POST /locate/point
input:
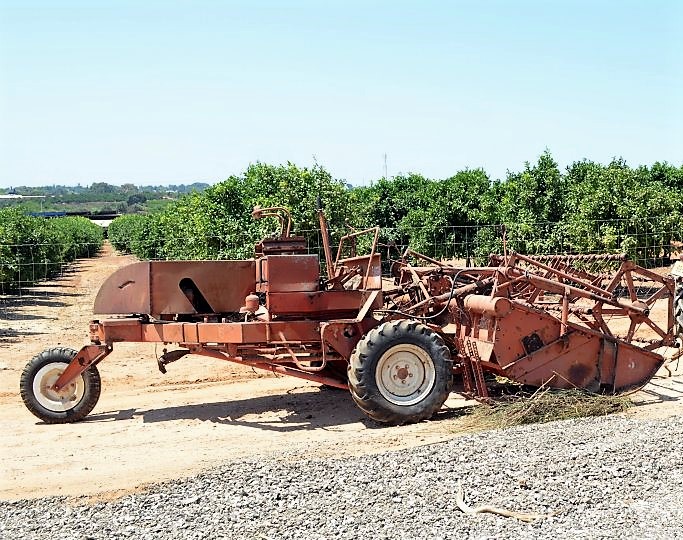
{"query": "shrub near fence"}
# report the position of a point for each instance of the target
(137, 234)
(589, 208)
(34, 248)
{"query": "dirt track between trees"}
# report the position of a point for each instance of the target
(149, 427)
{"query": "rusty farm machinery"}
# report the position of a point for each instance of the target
(400, 345)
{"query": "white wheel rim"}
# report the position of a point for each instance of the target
(64, 400)
(405, 374)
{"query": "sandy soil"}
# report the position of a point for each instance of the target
(149, 427)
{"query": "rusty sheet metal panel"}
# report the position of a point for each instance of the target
(320, 303)
(567, 363)
(589, 361)
(634, 367)
(523, 331)
(370, 274)
(115, 330)
(288, 273)
(259, 332)
(343, 336)
(223, 284)
(134, 330)
(125, 291)
(530, 349)
(177, 287)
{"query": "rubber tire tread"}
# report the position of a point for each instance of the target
(362, 372)
(678, 310)
(91, 380)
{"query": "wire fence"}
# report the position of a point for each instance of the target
(648, 244)
(23, 266)
(29, 283)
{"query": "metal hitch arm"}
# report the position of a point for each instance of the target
(86, 357)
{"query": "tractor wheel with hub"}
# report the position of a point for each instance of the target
(678, 310)
(70, 404)
(400, 373)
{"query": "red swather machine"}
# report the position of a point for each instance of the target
(398, 346)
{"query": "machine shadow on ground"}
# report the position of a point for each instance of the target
(659, 391)
(10, 335)
(17, 300)
(286, 412)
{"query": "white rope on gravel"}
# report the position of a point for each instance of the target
(522, 516)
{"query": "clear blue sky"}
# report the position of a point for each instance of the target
(183, 91)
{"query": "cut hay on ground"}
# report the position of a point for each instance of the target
(543, 406)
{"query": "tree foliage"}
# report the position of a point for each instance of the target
(217, 223)
(36, 248)
(587, 207)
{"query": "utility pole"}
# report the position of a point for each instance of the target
(385, 165)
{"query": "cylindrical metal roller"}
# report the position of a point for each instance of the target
(485, 305)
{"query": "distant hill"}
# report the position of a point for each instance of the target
(97, 197)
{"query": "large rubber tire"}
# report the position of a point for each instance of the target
(678, 311)
(400, 373)
(73, 403)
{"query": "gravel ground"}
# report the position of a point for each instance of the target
(609, 477)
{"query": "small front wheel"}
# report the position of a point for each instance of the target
(400, 372)
(71, 403)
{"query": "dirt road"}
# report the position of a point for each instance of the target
(149, 427)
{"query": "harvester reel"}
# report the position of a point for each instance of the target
(626, 278)
(73, 402)
(400, 372)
